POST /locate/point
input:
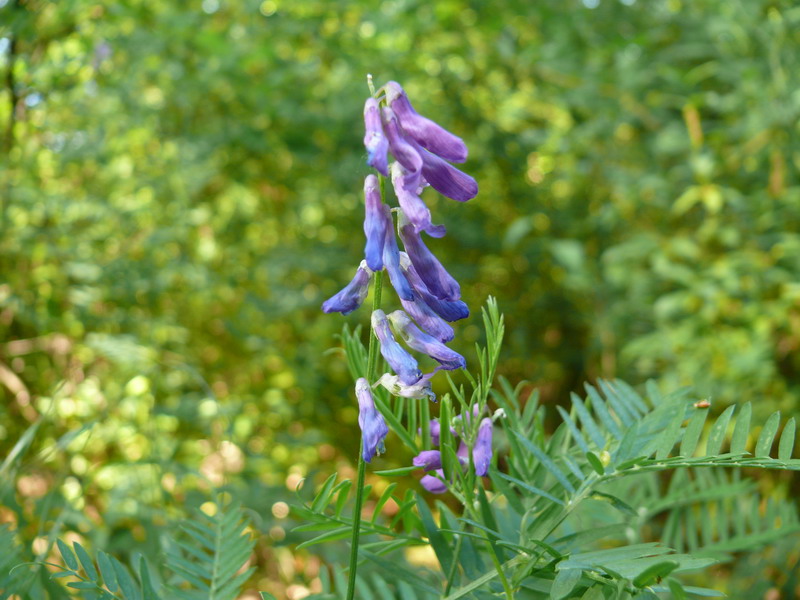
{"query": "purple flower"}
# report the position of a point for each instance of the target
(401, 361)
(448, 310)
(403, 150)
(375, 223)
(425, 132)
(352, 295)
(439, 282)
(373, 427)
(429, 460)
(374, 140)
(445, 178)
(482, 451)
(434, 484)
(391, 260)
(428, 320)
(421, 389)
(422, 342)
(412, 205)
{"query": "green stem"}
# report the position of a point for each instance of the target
(362, 470)
(490, 546)
(372, 363)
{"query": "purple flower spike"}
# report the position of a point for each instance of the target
(421, 389)
(482, 451)
(391, 260)
(439, 282)
(373, 427)
(374, 140)
(401, 361)
(428, 460)
(412, 205)
(449, 311)
(428, 320)
(352, 295)
(375, 223)
(406, 152)
(422, 342)
(446, 179)
(433, 484)
(425, 132)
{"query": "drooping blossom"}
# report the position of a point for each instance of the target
(373, 426)
(421, 389)
(420, 164)
(434, 485)
(482, 451)
(399, 360)
(376, 223)
(374, 140)
(391, 260)
(445, 178)
(428, 460)
(446, 309)
(438, 281)
(429, 295)
(412, 205)
(420, 341)
(426, 133)
(404, 150)
(352, 295)
(428, 320)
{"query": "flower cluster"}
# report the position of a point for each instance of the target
(431, 298)
(431, 460)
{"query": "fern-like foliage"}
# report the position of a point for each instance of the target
(205, 561)
(210, 557)
(105, 578)
(10, 556)
(579, 513)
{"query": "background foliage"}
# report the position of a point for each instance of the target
(180, 190)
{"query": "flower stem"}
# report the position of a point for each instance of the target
(372, 363)
(351, 579)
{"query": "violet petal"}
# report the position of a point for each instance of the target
(439, 282)
(352, 295)
(428, 460)
(448, 310)
(427, 133)
(373, 426)
(433, 484)
(375, 223)
(412, 205)
(374, 139)
(391, 260)
(422, 342)
(406, 152)
(399, 360)
(482, 451)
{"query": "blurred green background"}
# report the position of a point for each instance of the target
(181, 189)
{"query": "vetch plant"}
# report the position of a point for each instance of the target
(427, 292)
(632, 495)
(624, 496)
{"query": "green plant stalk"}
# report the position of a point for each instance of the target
(476, 517)
(372, 363)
